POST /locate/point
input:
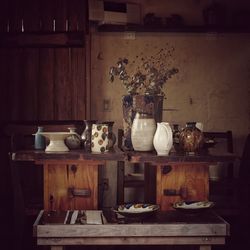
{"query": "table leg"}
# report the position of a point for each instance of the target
(205, 247)
(56, 247)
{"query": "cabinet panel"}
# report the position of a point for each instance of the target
(71, 186)
(185, 181)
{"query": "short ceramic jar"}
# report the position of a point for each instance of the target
(99, 138)
(40, 142)
(191, 138)
(73, 141)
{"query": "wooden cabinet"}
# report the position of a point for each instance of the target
(71, 178)
(71, 185)
(181, 181)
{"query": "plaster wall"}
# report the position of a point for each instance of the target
(212, 86)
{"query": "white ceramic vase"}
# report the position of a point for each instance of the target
(163, 138)
(142, 132)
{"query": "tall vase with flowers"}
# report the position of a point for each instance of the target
(143, 78)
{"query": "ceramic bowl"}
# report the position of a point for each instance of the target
(133, 210)
(193, 206)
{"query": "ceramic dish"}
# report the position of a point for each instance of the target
(193, 206)
(136, 210)
(56, 141)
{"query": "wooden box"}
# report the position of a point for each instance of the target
(181, 181)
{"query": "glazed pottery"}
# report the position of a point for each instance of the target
(74, 140)
(191, 138)
(86, 135)
(150, 104)
(163, 138)
(142, 132)
(40, 142)
(111, 134)
(99, 138)
(176, 137)
(56, 141)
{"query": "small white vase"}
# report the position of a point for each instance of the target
(163, 138)
(142, 132)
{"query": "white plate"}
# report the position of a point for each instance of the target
(193, 206)
(136, 209)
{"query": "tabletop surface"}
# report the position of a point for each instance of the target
(118, 155)
(167, 223)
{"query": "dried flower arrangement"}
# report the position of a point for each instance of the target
(151, 73)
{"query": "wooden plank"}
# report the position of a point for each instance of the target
(61, 15)
(47, 8)
(31, 15)
(46, 92)
(46, 203)
(133, 230)
(131, 241)
(72, 39)
(73, 9)
(63, 95)
(82, 16)
(4, 17)
(60, 178)
(189, 181)
(152, 157)
(30, 83)
(57, 188)
(88, 75)
(205, 247)
(15, 78)
(85, 176)
(4, 100)
(78, 83)
(16, 15)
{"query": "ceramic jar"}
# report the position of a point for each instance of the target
(142, 132)
(74, 140)
(86, 135)
(176, 137)
(40, 141)
(111, 134)
(150, 104)
(191, 138)
(163, 138)
(99, 138)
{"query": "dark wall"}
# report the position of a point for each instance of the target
(42, 60)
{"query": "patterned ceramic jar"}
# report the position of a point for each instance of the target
(99, 138)
(191, 138)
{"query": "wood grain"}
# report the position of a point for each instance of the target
(193, 177)
(133, 241)
(46, 85)
(133, 230)
(60, 177)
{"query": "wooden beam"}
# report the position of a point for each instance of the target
(42, 39)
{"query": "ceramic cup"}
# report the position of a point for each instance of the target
(99, 138)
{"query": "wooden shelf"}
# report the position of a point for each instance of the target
(41, 39)
(182, 29)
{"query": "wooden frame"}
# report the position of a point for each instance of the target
(187, 231)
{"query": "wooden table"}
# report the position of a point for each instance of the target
(171, 178)
(163, 228)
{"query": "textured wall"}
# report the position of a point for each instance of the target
(212, 86)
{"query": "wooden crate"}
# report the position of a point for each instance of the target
(71, 185)
(181, 181)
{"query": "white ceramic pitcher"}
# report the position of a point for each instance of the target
(163, 138)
